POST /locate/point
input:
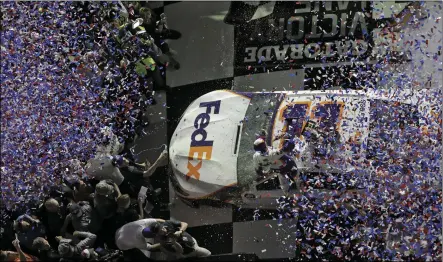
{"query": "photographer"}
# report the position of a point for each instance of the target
(174, 241)
(183, 246)
(74, 249)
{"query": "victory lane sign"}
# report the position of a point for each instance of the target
(299, 34)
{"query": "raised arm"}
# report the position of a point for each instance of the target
(183, 226)
(21, 254)
(68, 220)
(117, 190)
(156, 164)
(140, 208)
(173, 244)
(88, 239)
(30, 219)
(153, 247)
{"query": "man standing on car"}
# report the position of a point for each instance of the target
(267, 160)
(264, 158)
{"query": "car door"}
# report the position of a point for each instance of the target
(264, 193)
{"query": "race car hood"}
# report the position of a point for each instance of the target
(203, 148)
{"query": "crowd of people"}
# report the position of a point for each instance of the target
(74, 90)
(79, 233)
(79, 76)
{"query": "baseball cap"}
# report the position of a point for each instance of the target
(104, 189)
(151, 231)
(75, 209)
(260, 145)
(64, 248)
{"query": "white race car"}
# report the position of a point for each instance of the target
(211, 149)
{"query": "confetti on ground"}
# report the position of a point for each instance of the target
(57, 100)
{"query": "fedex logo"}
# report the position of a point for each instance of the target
(200, 147)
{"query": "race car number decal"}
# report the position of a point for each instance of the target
(326, 114)
(199, 145)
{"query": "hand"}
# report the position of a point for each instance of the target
(141, 199)
(178, 233)
(58, 238)
(164, 154)
(163, 158)
(16, 244)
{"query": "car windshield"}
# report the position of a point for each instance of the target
(259, 116)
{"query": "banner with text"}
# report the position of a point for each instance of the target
(332, 41)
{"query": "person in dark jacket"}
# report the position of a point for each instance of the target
(105, 198)
(126, 213)
(69, 248)
(175, 242)
(27, 229)
(183, 246)
(82, 217)
(52, 216)
(45, 251)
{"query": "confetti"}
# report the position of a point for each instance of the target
(56, 106)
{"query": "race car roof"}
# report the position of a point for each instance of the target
(267, 111)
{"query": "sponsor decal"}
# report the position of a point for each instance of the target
(326, 43)
(201, 148)
(309, 32)
(323, 117)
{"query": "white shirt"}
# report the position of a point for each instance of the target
(268, 161)
(101, 168)
(299, 144)
(114, 147)
(130, 235)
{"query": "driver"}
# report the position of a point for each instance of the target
(268, 160)
(265, 158)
